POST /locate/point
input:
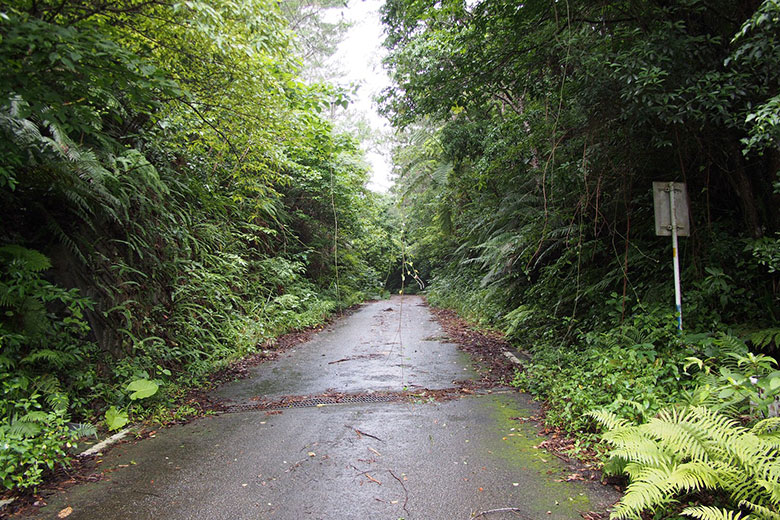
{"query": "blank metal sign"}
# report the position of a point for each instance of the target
(663, 218)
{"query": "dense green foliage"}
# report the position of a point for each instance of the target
(534, 132)
(530, 136)
(697, 457)
(172, 196)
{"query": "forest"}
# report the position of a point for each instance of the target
(176, 192)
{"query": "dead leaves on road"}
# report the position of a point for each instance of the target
(486, 348)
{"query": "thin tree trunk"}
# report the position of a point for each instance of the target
(743, 187)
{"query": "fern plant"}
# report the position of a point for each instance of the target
(735, 381)
(42, 339)
(685, 451)
(766, 338)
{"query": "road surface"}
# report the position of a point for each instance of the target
(387, 450)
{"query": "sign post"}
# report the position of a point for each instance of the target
(671, 218)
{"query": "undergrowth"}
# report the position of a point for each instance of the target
(53, 373)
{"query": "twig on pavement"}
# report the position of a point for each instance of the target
(363, 433)
(502, 510)
(406, 493)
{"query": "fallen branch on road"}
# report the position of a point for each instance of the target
(363, 433)
(406, 493)
(502, 510)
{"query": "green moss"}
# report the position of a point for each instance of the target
(537, 470)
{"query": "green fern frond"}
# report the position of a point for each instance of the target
(768, 432)
(35, 319)
(8, 295)
(55, 357)
(765, 337)
(725, 434)
(636, 405)
(691, 449)
(36, 416)
(730, 346)
(712, 513)
(673, 432)
(744, 486)
(51, 388)
(773, 488)
(649, 489)
(54, 227)
(59, 401)
(80, 206)
(21, 428)
(754, 456)
(28, 259)
(6, 362)
(704, 394)
(640, 449)
(608, 419)
(766, 426)
(772, 440)
(84, 430)
(615, 466)
(48, 384)
(694, 476)
(761, 512)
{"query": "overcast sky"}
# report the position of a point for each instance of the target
(360, 58)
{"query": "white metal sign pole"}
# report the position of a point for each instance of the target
(675, 259)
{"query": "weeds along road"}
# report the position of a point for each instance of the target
(366, 420)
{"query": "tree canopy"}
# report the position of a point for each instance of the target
(534, 132)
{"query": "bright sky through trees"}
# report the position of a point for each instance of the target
(359, 58)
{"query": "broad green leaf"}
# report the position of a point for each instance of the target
(115, 419)
(142, 388)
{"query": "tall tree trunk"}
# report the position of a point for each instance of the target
(742, 185)
(774, 198)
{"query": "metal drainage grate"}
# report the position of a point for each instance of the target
(324, 400)
(314, 402)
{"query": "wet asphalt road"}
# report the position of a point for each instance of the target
(419, 460)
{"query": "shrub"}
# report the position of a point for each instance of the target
(635, 369)
(32, 439)
(42, 338)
